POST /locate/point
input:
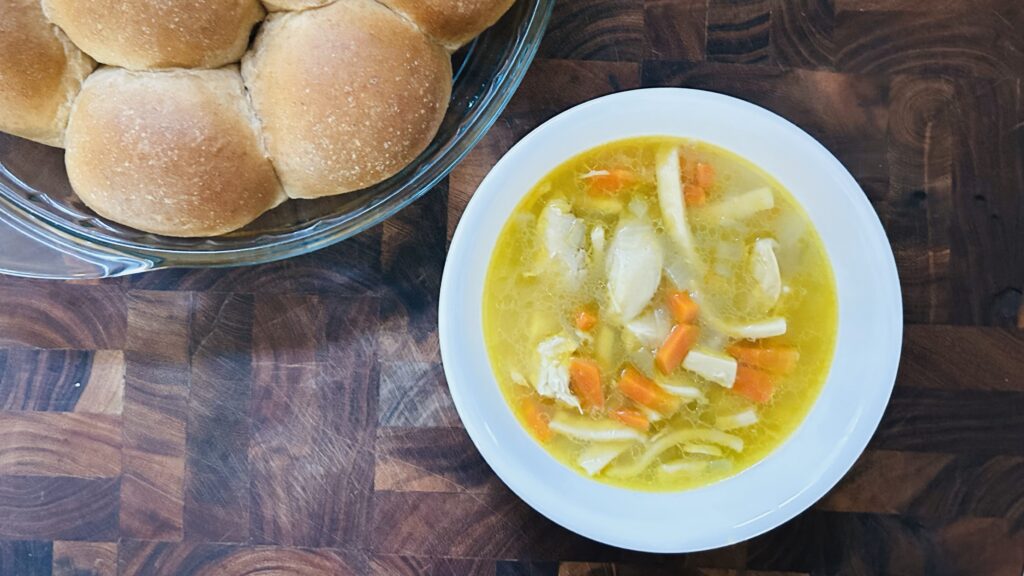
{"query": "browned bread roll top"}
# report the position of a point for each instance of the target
(143, 34)
(452, 23)
(176, 153)
(40, 73)
(348, 95)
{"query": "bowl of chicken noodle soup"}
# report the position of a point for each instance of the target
(670, 320)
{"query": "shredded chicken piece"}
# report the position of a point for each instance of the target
(764, 267)
(634, 263)
(652, 327)
(553, 358)
(563, 236)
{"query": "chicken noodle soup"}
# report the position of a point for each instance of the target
(659, 313)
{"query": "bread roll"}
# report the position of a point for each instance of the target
(174, 153)
(279, 5)
(145, 34)
(348, 95)
(451, 22)
(40, 73)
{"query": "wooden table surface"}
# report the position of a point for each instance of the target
(294, 417)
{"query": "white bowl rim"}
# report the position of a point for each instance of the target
(814, 458)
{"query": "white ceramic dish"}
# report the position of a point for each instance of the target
(839, 425)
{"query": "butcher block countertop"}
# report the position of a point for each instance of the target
(293, 418)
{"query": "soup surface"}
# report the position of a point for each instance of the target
(659, 313)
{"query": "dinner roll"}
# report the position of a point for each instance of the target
(175, 153)
(278, 5)
(144, 34)
(40, 73)
(451, 22)
(348, 95)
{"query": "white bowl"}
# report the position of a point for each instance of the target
(835, 431)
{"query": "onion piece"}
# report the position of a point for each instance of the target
(652, 327)
(596, 457)
(739, 420)
(716, 368)
(664, 442)
(764, 329)
(684, 467)
(741, 206)
(589, 430)
(764, 267)
(673, 209)
(703, 449)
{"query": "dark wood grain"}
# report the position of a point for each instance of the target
(960, 40)
(84, 559)
(385, 565)
(59, 508)
(802, 33)
(739, 31)
(137, 558)
(552, 86)
(219, 420)
(155, 416)
(26, 558)
(675, 29)
(430, 460)
(60, 444)
(987, 252)
(314, 412)
(412, 258)
(55, 316)
(293, 418)
(415, 394)
(596, 30)
(62, 381)
(942, 420)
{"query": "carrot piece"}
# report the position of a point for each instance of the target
(704, 175)
(694, 195)
(754, 384)
(684, 309)
(537, 419)
(632, 418)
(645, 392)
(585, 319)
(609, 182)
(585, 380)
(676, 347)
(781, 360)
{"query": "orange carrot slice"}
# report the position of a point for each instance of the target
(704, 175)
(632, 418)
(754, 384)
(684, 309)
(779, 360)
(694, 195)
(645, 392)
(675, 348)
(585, 319)
(585, 380)
(537, 419)
(609, 182)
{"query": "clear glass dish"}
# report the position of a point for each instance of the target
(46, 232)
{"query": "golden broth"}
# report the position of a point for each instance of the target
(523, 306)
